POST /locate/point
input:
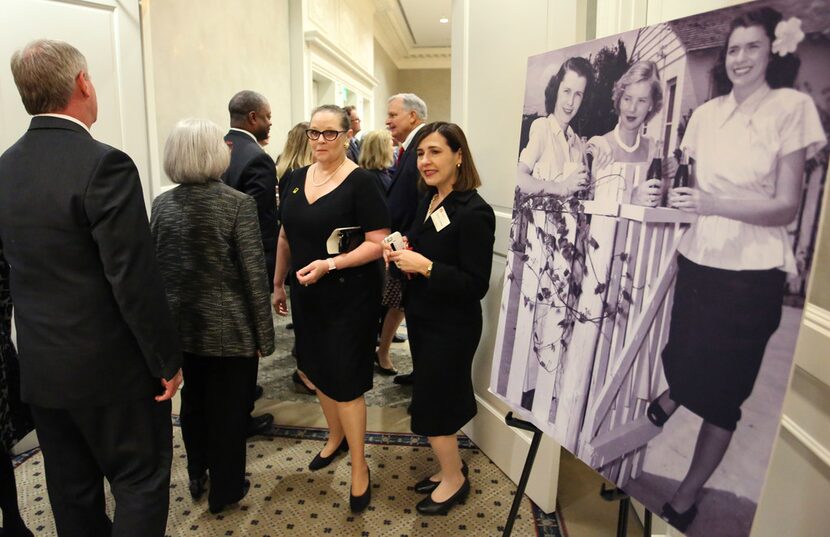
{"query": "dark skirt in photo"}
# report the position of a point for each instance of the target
(721, 321)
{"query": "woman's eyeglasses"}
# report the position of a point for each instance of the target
(329, 136)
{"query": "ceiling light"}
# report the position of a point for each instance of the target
(443, 20)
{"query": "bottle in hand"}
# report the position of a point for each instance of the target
(681, 176)
(655, 170)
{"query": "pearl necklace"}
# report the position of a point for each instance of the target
(314, 175)
(626, 148)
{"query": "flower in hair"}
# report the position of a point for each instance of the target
(788, 35)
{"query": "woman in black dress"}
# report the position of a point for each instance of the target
(335, 299)
(15, 421)
(452, 239)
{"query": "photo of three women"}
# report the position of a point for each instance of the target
(748, 148)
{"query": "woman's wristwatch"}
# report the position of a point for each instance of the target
(332, 265)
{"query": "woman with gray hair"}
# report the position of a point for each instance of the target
(210, 254)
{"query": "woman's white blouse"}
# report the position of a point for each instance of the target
(549, 148)
(737, 150)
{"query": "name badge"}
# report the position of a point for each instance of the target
(440, 219)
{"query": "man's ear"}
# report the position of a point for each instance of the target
(83, 85)
(251, 117)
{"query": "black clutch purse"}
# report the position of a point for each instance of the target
(344, 239)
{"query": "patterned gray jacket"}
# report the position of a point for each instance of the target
(210, 253)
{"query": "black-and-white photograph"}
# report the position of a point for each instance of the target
(668, 188)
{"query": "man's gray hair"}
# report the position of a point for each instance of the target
(412, 102)
(243, 102)
(196, 152)
(44, 72)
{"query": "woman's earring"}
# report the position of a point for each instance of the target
(458, 165)
(345, 145)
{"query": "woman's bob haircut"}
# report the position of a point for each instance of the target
(196, 152)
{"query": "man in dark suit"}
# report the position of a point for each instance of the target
(253, 172)
(96, 337)
(406, 114)
(353, 151)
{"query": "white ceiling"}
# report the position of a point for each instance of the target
(422, 17)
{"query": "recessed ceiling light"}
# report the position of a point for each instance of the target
(443, 20)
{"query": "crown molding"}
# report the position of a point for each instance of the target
(319, 43)
(393, 35)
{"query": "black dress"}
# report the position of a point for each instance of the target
(335, 319)
(443, 312)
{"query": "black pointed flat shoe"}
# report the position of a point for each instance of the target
(319, 461)
(385, 371)
(681, 521)
(427, 485)
(359, 504)
(430, 507)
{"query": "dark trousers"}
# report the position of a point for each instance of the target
(214, 416)
(130, 444)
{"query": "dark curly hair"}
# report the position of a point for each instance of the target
(781, 70)
(583, 68)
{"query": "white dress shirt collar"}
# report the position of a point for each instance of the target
(412, 134)
(69, 118)
(246, 132)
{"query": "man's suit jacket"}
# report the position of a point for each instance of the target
(253, 172)
(403, 193)
(210, 253)
(353, 151)
(93, 323)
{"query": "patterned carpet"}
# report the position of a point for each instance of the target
(288, 499)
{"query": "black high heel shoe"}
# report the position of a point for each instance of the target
(427, 485)
(430, 507)
(359, 503)
(681, 521)
(385, 371)
(319, 461)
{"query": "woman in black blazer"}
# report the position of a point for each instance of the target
(210, 253)
(452, 240)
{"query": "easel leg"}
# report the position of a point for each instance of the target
(531, 455)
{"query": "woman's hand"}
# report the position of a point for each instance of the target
(692, 200)
(312, 272)
(647, 194)
(410, 261)
(387, 249)
(576, 181)
(601, 150)
(280, 300)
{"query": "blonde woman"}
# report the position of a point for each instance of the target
(295, 154)
(376, 156)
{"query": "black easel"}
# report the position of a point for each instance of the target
(617, 494)
(531, 455)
